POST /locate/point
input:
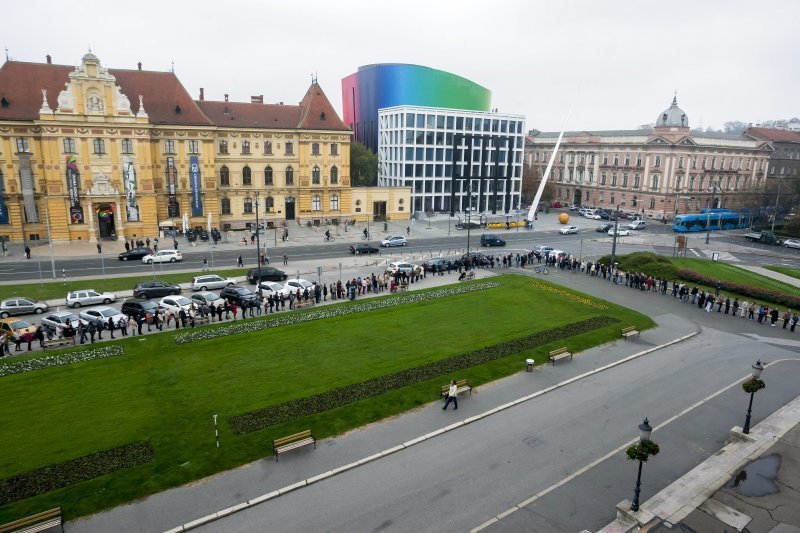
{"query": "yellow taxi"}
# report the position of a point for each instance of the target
(15, 326)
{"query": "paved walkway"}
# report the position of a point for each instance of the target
(772, 274)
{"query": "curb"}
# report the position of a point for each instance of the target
(306, 482)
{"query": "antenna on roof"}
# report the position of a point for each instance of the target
(173, 66)
(7, 58)
(314, 78)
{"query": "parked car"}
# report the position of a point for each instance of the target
(398, 266)
(555, 205)
(621, 232)
(792, 243)
(637, 224)
(238, 295)
(489, 239)
(173, 304)
(211, 281)
(394, 240)
(163, 256)
(273, 288)
(556, 253)
(363, 248)
(15, 327)
(541, 250)
(89, 297)
(603, 228)
(18, 305)
(605, 215)
(206, 298)
(60, 318)
(574, 207)
(468, 225)
(593, 216)
(267, 274)
(151, 289)
(293, 284)
(478, 259)
(568, 230)
(139, 308)
(437, 264)
(102, 313)
(134, 253)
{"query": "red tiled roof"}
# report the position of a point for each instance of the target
(771, 134)
(21, 84)
(247, 115)
(318, 113)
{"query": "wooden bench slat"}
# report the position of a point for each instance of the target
(629, 332)
(461, 386)
(37, 522)
(298, 440)
(560, 353)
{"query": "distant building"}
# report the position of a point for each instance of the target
(784, 163)
(658, 171)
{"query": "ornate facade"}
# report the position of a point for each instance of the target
(88, 152)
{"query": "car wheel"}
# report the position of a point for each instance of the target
(203, 288)
(4, 314)
(124, 258)
(38, 310)
(149, 261)
(107, 301)
(172, 259)
(229, 285)
(76, 305)
(405, 243)
(174, 293)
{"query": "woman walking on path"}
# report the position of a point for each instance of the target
(451, 396)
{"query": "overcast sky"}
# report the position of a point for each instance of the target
(616, 64)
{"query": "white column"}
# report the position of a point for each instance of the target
(119, 226)
(91, 217)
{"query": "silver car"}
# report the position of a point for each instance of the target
(103, 313)
(211, 281)
(207, 298)
(19, 305)
(89, 297)
(60, 318)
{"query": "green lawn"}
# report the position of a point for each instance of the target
(54, 290)
(166, 392)
(793, 272)
(733, 274)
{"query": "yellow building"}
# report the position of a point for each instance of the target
(90, 153)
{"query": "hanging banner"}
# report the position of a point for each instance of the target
(173, 208)
(3, 209)
(26, 177)
(194, 180)
(74, 191)
(129, 179)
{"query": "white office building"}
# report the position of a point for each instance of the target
(416, 149)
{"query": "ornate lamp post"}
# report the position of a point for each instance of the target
(641, 451)
(258, 245)
(753, 385)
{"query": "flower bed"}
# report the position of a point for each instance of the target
(49, 361)
(74, 471)
(285, 412)
(329, 311)
(777, 297)
(568, 294)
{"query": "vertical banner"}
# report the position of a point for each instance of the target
(26, 177)
(173, 209)
(4, 210)
(194, 180)
(74, 191)
(129, 179)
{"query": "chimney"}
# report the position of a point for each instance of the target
(49, 59)
(140, 65)
(257, 99)
(202, 96)
(280, 103)
(226, 97)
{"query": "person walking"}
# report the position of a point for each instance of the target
(123, 325)
(773, 315)
(155, 244)
(795, 319)
(285, 259)
(451, 396)
(786, 317)
(27, 252)
(205, 264)
(175, 243)
(239, 261)
(92, 330)
(111, 326)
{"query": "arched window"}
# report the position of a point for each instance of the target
(269, 204)
(334, 203)
(635, 201)
(268, 176)
(652, 203)
(226, 206)
(246, 176)
(289, 176)
(315, 175)
(316, 204)
(334, 175)
(225, 180)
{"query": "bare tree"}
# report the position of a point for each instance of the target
(531, 178)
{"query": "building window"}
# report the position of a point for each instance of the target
(713, 162)
(591, 177)
(638, 160)
(224, 178)
(226, 206)
(635, 201)
(69, 146)
(334, 149)
(22, 145)
(169, 146)
(334, 175)
(245, 147)
(289, 176)
(636, 181)
(613, 199)
(289, 148)
(652, 203)
(627, 159)
(694, 162)
(223, 147)
(268, 176)
(677, 184)
(616, 160)
(613, 181)
(246, 176)
(314, 148)
(99, 146)
(334, 203)
(316, 204)
(248, 206)
(267, 147)
(194, 147)
(603, 178)
(269, 204)
(691, 183)
(315, 175)
(605, 159)
(657, 162)
(127, 146)
(654, 182)
(624, 180)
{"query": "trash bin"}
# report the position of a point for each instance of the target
(529, 365)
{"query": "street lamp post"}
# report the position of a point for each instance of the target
(258, 245)
(752, 385)
(469, 212)
(614, 238)
(775, 213)
(641, 451)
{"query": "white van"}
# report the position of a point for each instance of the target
(637, 224)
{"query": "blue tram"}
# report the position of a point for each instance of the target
(711, 219)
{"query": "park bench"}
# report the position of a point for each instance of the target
(200, 320)
(469, 275)
(291, 442)
(57, 343)
(45, 521)
(461, 385)
(299, 304)
(403, 286)
(561, 353)
(630, 331)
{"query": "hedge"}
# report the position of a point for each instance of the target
(50, 361)
(777, 297)
(338, 397)
(74, 471)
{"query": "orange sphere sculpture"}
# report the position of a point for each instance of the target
(563, 218)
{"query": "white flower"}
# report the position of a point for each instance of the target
(49, 361)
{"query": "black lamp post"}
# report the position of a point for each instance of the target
(258, 245)
(752, 386)
(614, 238)
(641, 451)
(469, 213)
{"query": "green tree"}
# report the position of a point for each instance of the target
(363, 166)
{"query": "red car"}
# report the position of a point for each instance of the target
(556, 205)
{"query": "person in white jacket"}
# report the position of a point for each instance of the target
(451, 396)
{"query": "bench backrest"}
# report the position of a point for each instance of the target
(459, 383)
(629, 329)
(292, 438)
(559, 351)
(31, 520)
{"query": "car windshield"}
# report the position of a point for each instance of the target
(243, 291)
(19, 324)
(209, 296)
(109, 312)
(182, 300)
(64, 318)
(149, 305)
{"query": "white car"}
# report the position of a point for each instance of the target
(556, 253)
(792, 243)
(302, 284)
(271, 288)
(637, 224)
(594, 216)
(163, 256)
(621, 232)
(394, 240)
(568, 230)
(173, 304)
(103, 313)
(211, 281)
(207, 298)
(89, 297)
(393, 268)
